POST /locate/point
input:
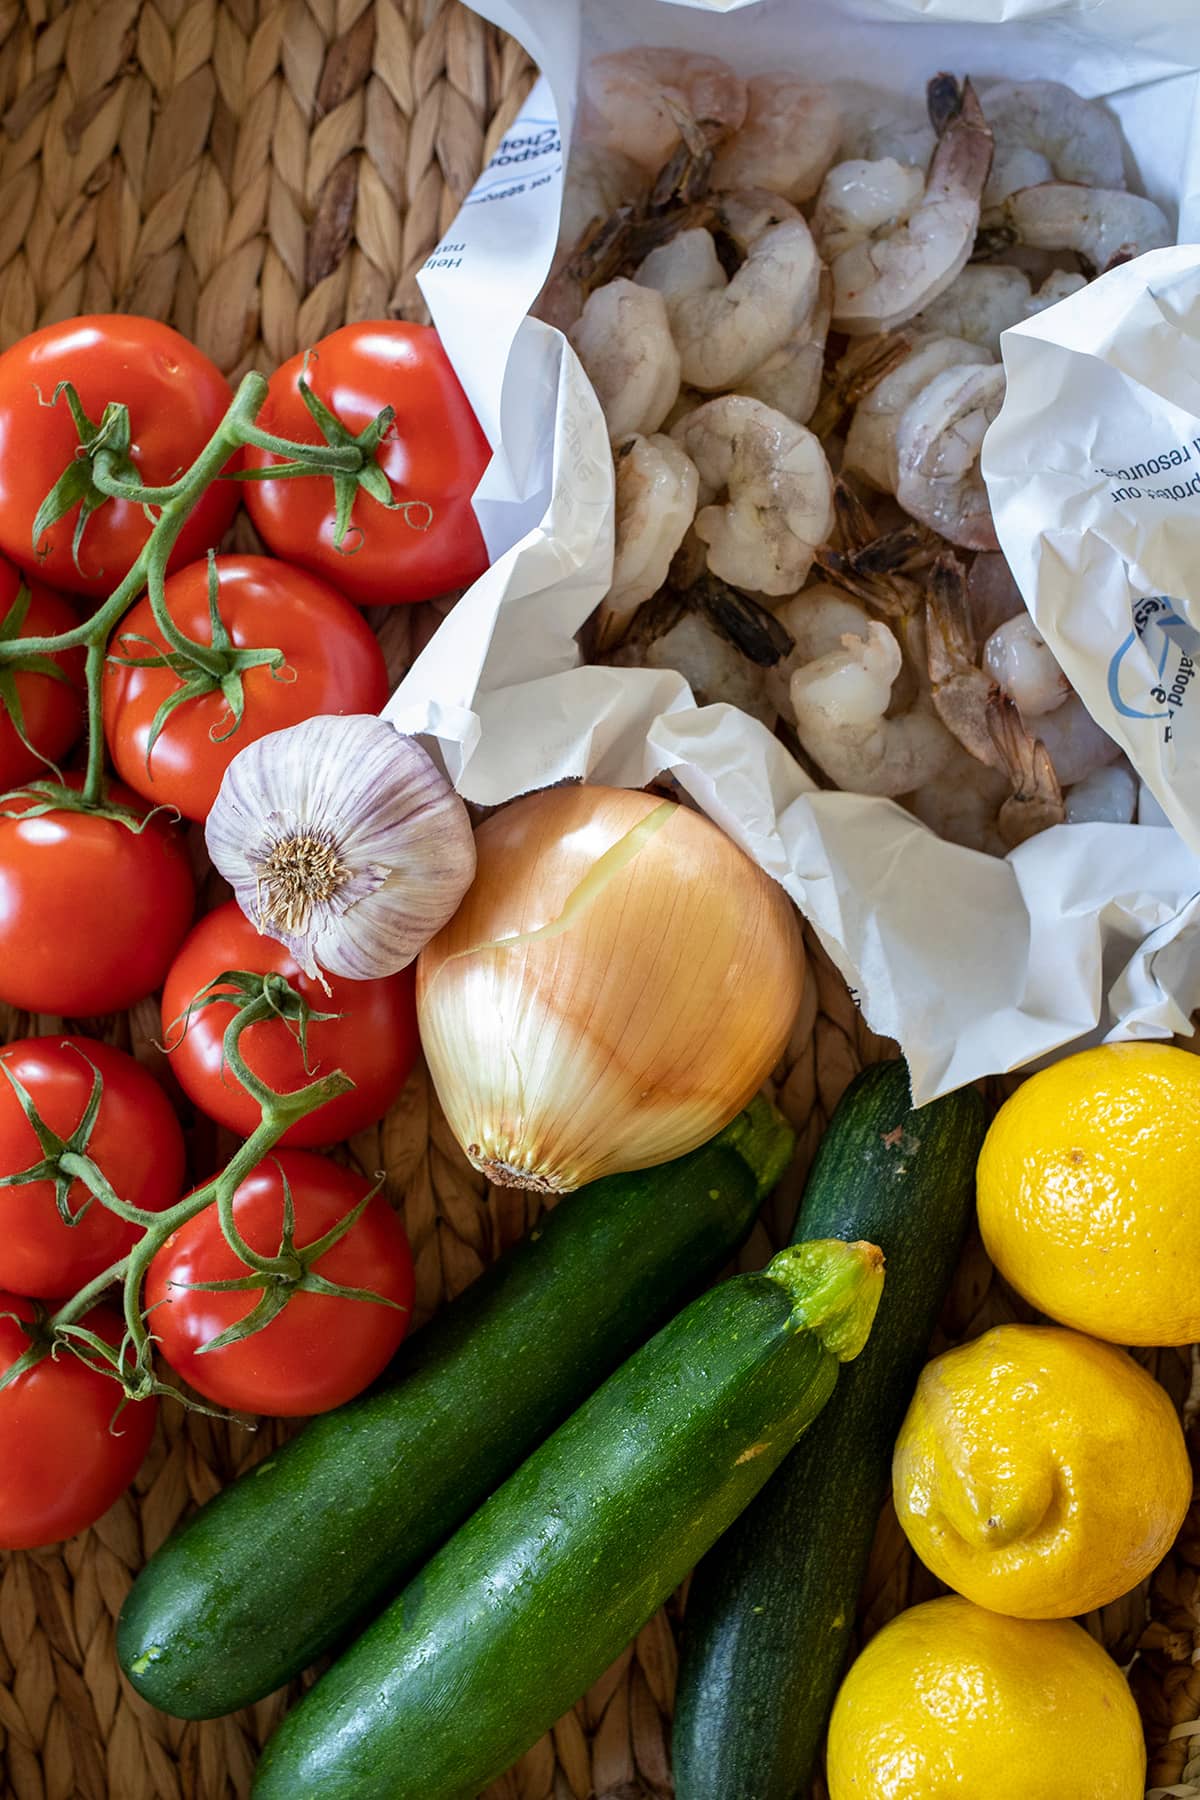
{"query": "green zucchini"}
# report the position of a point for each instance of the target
(533, 1597)
(771, 1609)
(274, 1570)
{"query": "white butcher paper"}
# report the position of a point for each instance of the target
(975, 964)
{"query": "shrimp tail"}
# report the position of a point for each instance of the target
(750, 627)
(863, 366)
(1036, 801)
(963, 158)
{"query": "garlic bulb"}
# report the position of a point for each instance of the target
(614, 988)
(344, 840)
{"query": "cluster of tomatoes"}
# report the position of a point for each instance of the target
(96, 908)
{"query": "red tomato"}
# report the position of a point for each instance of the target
(321, 1349)
(135, 1142)
(333, 664)
(52, 711)
(91, 912)
(176, 399)
(373, 1040)
(63, 1460)
(433, 456)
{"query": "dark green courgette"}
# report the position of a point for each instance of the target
(770, 1611)
(532, 1598)
(275, 1569)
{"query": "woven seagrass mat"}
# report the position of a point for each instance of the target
(257, 173)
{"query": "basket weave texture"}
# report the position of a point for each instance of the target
(257, 174)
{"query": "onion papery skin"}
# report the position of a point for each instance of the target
(638, 1024)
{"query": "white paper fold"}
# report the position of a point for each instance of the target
(975, 964)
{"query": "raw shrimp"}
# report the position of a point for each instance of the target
(711, 665)
(938, 441)
(1106, 796)
(598, 180)
(745, 213)
(874, 125)
(1018, 659)
(726, 328)
(636, 97)
(1044, 131)
(818, 619)
(656, 492)
(1076, 745)
(788, 141)
(886, 269)
(790, 378)
(989, 297)
(623, 339)
(1102, 225)
(840, 705)
(871, 440)
(993, 597)
(777, 488)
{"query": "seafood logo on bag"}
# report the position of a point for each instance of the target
(1171, 643)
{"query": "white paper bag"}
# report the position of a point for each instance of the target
(975, 964)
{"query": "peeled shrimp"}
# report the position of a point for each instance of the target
(818, 619)
(598, 180)
(656, 492)
(938, 442)
(778, 492)
(840, 704)
(1102, 225)
(1019, 660)
(886, 269)
(989, 297)
(790, 378)
(726, 328)
(623, 339)
(788, 141)
(635, 97)
(1106, 796)
(1044, 131)
(871, 439)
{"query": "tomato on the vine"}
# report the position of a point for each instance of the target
(176, 399)
(331, 663)
(50, 711)
(320, 1349)
(135, 1143)
(64, 1457)
(433, 456)
(91, 909)
(372, 1038)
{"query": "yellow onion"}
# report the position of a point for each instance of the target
(615, 986)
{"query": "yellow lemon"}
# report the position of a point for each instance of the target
(1040, 1473)
(950, 1699)
(1089, 1193)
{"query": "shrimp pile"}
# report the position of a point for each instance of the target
(789, 300)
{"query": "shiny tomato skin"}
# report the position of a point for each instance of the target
(333, 664)
(61, 1467)
(52, 711)
(320, 1350)
(91, 912)
(434, 455)
(135, 1142)
(374, 1041)
(176, 399)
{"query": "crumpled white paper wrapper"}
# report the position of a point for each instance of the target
(974, 964)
